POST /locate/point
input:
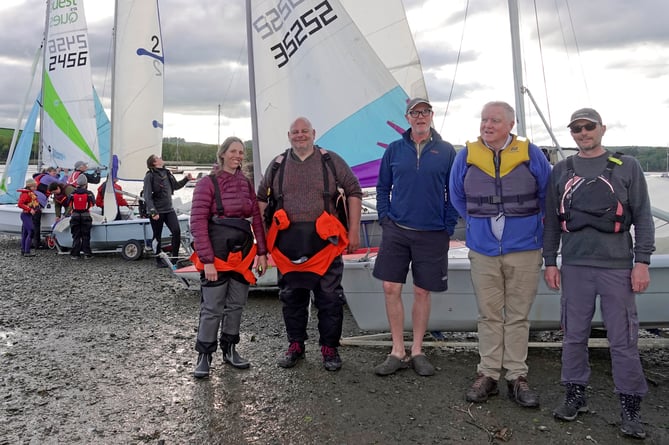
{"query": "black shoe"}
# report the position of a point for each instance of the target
(629, 414)
(160, 264)
(88, 256)
(482, 388)
(202, 367)
(519, 391)
(231, 357)
(29, 254)
(75, 257)
(292, 355)
(573, 404)
(331, 359)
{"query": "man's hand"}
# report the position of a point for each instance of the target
(552, 277)
(640, 277)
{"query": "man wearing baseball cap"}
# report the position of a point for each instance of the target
(418, 220)
(80, 168)
(599, 258)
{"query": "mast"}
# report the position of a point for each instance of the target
(257, 171)
(40, 148)
(517, 68)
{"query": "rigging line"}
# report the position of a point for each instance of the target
(239, 61)
(455, 72)
(543, 67)
(578, 50)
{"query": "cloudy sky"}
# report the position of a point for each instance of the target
(612, 55)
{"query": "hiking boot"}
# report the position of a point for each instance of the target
(629, 414)
(88, 256)
(29, 254)
(202, 367)
(292, 355)
(331, 359)
(391, 365)
(519, 391)
(422, 365)
(231, 356)
(482, 388)
(574, 403)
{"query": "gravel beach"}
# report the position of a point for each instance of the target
(101, 352)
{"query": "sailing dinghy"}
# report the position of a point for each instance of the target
(69, 130)
(136, 129)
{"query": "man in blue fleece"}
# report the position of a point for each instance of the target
(418, 219)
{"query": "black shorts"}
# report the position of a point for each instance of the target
(425, 251)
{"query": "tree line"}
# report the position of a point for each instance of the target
(177, 151)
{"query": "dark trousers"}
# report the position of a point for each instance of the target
(37, 229)
(329, 300)
(26, 232)
(580, 287)
(80, 227)
(172, 222)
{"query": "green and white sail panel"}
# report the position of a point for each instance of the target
(137, 87)
(68, 127)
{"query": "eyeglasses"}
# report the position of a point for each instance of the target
(576, 129)
(416, 113)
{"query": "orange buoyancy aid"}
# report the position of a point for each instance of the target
(328, 227)
(235, 263)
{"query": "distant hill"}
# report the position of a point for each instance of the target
(178, 151)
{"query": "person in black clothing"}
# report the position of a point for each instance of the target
(159, 185)
(79, 202)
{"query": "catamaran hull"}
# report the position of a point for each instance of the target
(10, 219)
(115, 235)
(456, 309)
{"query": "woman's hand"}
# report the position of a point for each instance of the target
(210, 272)
(261, 267)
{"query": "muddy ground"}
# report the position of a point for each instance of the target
(101, 352)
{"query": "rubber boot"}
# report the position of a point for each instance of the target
(630, 425)
(202, 367)
(231, 356)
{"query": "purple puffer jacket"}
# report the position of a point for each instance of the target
(239, 201)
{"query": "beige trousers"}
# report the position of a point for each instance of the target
(505, 288)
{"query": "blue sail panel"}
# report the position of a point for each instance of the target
(362, 137)
(17, 167)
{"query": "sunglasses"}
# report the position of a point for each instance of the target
(576, 129)
(416, 113)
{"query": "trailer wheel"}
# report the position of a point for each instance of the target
(132, 250)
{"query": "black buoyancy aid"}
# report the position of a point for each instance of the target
(500, 183)
(232, 240)
(331, 235)
(592, 202)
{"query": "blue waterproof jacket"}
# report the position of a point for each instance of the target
(521, 233)
(413, 191)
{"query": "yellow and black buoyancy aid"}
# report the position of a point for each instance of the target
(500, 183)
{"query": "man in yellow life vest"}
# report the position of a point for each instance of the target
(498, 184)
(306, 239)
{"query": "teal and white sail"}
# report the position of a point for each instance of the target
(316, 59)
(68, 123)
(17, 166)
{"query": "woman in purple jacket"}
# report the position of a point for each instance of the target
(228, 233)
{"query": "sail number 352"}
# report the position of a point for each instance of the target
(68, 51)
(305, 25)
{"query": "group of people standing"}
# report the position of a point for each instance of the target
(517, 211)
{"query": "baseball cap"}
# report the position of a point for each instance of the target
(79, 164)
(588, 114)
(417, 100)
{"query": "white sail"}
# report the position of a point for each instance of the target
(137, 86)
(137, 93)
(311, 59)
(390, 36)
(68, 126)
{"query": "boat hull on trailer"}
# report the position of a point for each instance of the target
(114, 236)
(456, 309)
(10, 219)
